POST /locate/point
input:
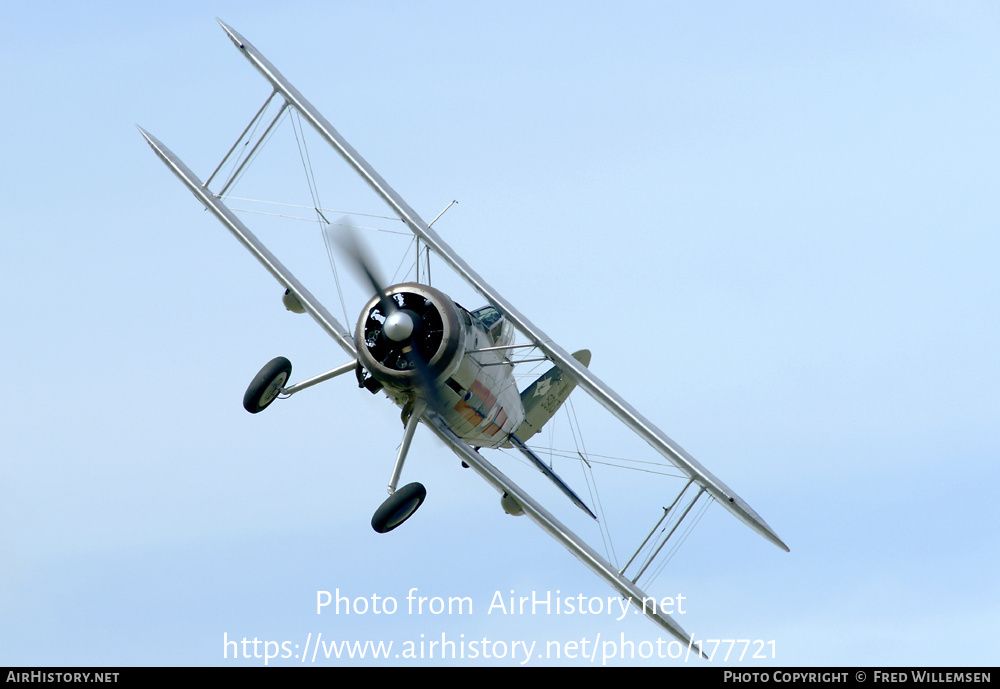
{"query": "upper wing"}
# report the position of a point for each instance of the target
(315, 309)
(581, 375)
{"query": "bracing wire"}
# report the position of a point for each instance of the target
(402, 260)
(325, 211)
(588, 473)
(324, 224)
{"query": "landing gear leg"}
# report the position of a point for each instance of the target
(402, 503)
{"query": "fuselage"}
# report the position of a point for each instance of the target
(464, 354)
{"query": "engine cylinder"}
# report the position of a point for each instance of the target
(437, 336)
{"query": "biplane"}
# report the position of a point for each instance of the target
(449, 369)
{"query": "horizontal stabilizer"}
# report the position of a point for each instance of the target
(543, 398)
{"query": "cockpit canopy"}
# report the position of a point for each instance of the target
(496, 325)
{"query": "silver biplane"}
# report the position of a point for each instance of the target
(449, 369)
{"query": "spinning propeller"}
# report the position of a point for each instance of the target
(402, 332)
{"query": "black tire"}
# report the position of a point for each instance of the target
(265, 387)
(398, 507)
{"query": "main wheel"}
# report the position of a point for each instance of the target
(265, 387)
(398, 507)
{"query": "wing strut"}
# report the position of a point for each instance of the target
(663, 541)
(256, 117)
(666, 511)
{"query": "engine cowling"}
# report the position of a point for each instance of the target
(432, 324)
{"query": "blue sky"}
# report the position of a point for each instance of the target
(773, 225)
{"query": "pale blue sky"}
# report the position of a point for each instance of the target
(774, 225)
